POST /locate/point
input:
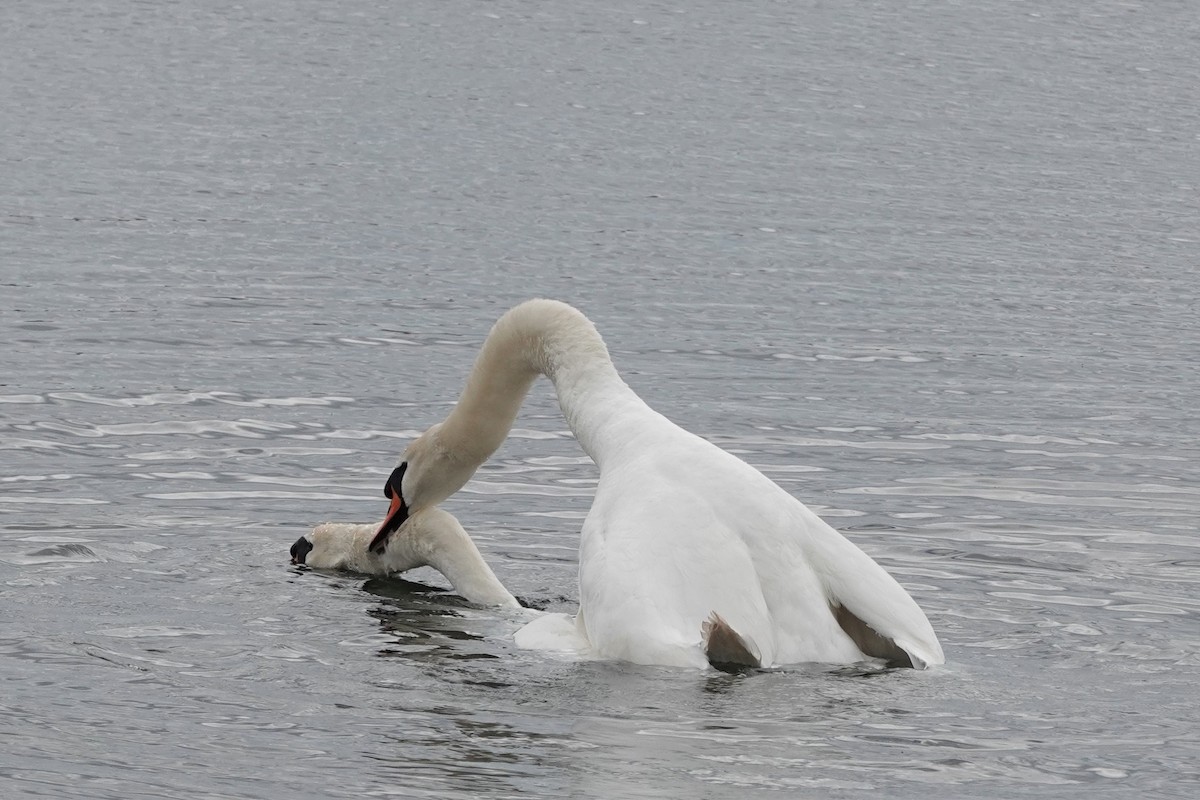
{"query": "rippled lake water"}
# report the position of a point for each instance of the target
(931, 266)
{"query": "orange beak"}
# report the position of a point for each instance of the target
(397, 514)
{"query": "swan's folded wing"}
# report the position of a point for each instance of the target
(650, 575)
(872, 607)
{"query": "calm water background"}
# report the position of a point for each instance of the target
(930, 265)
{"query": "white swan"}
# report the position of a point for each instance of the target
(431, 537)
(689, 556)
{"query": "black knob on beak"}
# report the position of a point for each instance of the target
(300, 550)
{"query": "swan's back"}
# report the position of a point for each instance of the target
(683, 530)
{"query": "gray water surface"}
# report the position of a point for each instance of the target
(929, 265)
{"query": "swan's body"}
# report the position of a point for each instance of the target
(687, 550)
(431, 538)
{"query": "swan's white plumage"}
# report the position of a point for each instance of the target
(432, 537)
(560, 632)
(679, 529)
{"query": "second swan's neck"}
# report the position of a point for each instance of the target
(539, 337)
(448, 549)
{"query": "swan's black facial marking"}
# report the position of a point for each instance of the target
(395, 479)
(398, 511)
(301, 549)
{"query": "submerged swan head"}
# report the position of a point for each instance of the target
(431, 537)
(343, 545)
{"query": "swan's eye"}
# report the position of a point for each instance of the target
(394, 480)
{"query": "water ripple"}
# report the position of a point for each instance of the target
(1166, 498)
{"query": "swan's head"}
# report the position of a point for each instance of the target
(430, 537)
(330, 546)
(341, 545)
(430, 471)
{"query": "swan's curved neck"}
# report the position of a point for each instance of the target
(451, 552)
(548, 338)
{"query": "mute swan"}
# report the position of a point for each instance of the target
(431, 537)
(688, 556)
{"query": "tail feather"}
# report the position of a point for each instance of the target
(870, 641)
(725, 648)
